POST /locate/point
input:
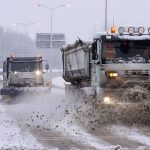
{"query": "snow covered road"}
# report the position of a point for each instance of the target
(49, 121)
(12, 136)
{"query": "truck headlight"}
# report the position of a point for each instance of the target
(115, 74)
(141, 30)
(149, 30)
(131, 30)
(107, 100)
(112, 74)
(121, 30)
(38, 73)
(15, 72)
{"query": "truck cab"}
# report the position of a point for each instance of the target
(121, 58)
(25, 72)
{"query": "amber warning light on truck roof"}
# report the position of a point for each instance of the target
(113, 29)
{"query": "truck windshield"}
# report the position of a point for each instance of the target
(126, 51)
(25, 66)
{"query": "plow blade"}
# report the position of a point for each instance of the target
(12, 92)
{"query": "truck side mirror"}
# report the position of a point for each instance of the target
(4, 67)
(94, 51)
(47, 66)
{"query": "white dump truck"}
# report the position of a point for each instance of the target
(115, 66)
(21, 72)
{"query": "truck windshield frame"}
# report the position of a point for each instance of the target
(127, 50)
(25, 66)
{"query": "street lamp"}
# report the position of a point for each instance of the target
(25, 29)
(25, 25)
(51, 10)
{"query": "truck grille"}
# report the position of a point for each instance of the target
(137, 73)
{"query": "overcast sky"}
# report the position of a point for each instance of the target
(82, 19)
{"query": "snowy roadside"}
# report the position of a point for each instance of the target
(12, 137)
(59, 82)
(132, 134)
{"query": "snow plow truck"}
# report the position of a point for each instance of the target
(24, 73)
(114, 68)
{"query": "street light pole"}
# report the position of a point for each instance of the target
(106, 13)
(25, 25)
(51, 36)
(51, 10)
(51, 32)
(25, 31)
